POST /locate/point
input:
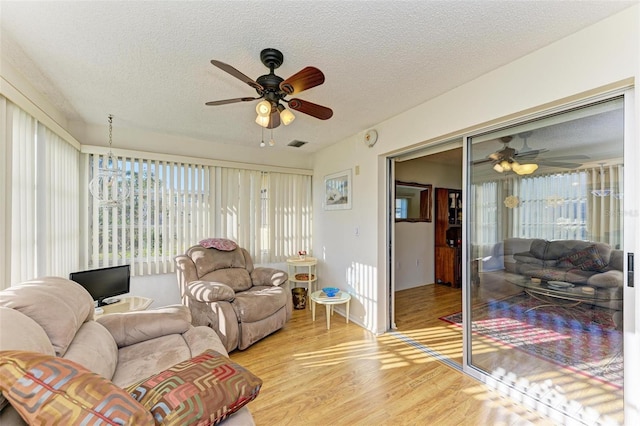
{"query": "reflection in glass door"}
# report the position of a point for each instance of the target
(545, 250)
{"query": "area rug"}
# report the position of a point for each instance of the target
(582, 338)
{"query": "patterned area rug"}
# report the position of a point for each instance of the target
(581, 338)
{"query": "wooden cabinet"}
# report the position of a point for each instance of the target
(448, 237)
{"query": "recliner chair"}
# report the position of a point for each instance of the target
(224, 291)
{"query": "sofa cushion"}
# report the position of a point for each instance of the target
(23, 334)
(139, 361)
(616, 260)
(46, 389)
(540, 249)
(271, 276)
(205, 390)
(609, 279)
(60, 306)
(238, 279)
(221, 244)
(207, 260)
(134, 327)
(528, 258)
(207, 291)
(94, 349)
(587, 259)
(258, 303)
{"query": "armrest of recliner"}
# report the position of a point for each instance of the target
(129, 328)
(209, 291)
(268, 276)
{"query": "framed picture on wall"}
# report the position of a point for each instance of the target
(337, 191)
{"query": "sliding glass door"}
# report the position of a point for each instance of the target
(546, 261)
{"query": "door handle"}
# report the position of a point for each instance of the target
(630, 268)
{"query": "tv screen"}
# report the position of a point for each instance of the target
(104, 283)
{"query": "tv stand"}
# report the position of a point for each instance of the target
(126, 304)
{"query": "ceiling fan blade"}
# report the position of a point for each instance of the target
(529, 154)
(230, 101)
(237, 74)
(558, 164)
(314, 110)
(274, 119)
(482, 161)
(302, 80)
(567, 157)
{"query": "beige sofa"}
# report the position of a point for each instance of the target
(224, 291)
(582, 263)
(55, 316)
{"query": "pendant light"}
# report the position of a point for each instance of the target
(110, 186)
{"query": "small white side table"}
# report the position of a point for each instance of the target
(303, 271)
(321, 298)
(126, 304)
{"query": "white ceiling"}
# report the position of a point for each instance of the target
(148, 63)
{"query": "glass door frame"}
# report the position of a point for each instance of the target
(631, 230)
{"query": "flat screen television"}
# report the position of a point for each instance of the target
(105, 283)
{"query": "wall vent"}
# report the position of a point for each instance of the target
(296, 143)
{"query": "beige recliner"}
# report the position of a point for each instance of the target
(224, 291)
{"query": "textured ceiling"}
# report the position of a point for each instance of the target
(148, 63)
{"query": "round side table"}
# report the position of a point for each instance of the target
(321, 298)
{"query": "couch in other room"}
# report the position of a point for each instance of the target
(578, 262)
(50, 340)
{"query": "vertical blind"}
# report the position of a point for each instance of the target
(584, 204)
(174, 205)
(166, 212)
(43, 199)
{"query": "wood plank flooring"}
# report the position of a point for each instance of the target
(348, 376)
(429, 330)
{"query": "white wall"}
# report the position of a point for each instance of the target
(414, 241)
(602, 54)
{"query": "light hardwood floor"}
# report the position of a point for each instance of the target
(446, 339)
(348, 376)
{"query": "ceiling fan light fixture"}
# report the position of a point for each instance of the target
(525, 169)
(498, 168)
(262, 121)
(286, 115)
(506, 166)
(263, 109)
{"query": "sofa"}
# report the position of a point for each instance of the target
(224, 291)
(582, 263)
(48, 331)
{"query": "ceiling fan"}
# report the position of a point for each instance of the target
(274, 89)
(525, 161)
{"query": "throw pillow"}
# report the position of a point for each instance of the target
(587, 259)
(45, 389)
(203, 390)
(221, 244)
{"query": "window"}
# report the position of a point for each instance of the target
(174, 205)
(42, 200)
(402, 206)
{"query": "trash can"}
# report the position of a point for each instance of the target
(299, 296)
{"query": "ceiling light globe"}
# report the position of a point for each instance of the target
(287, 117)
(262, 121)
(526, 169)
(506, 166)
(263, 108)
